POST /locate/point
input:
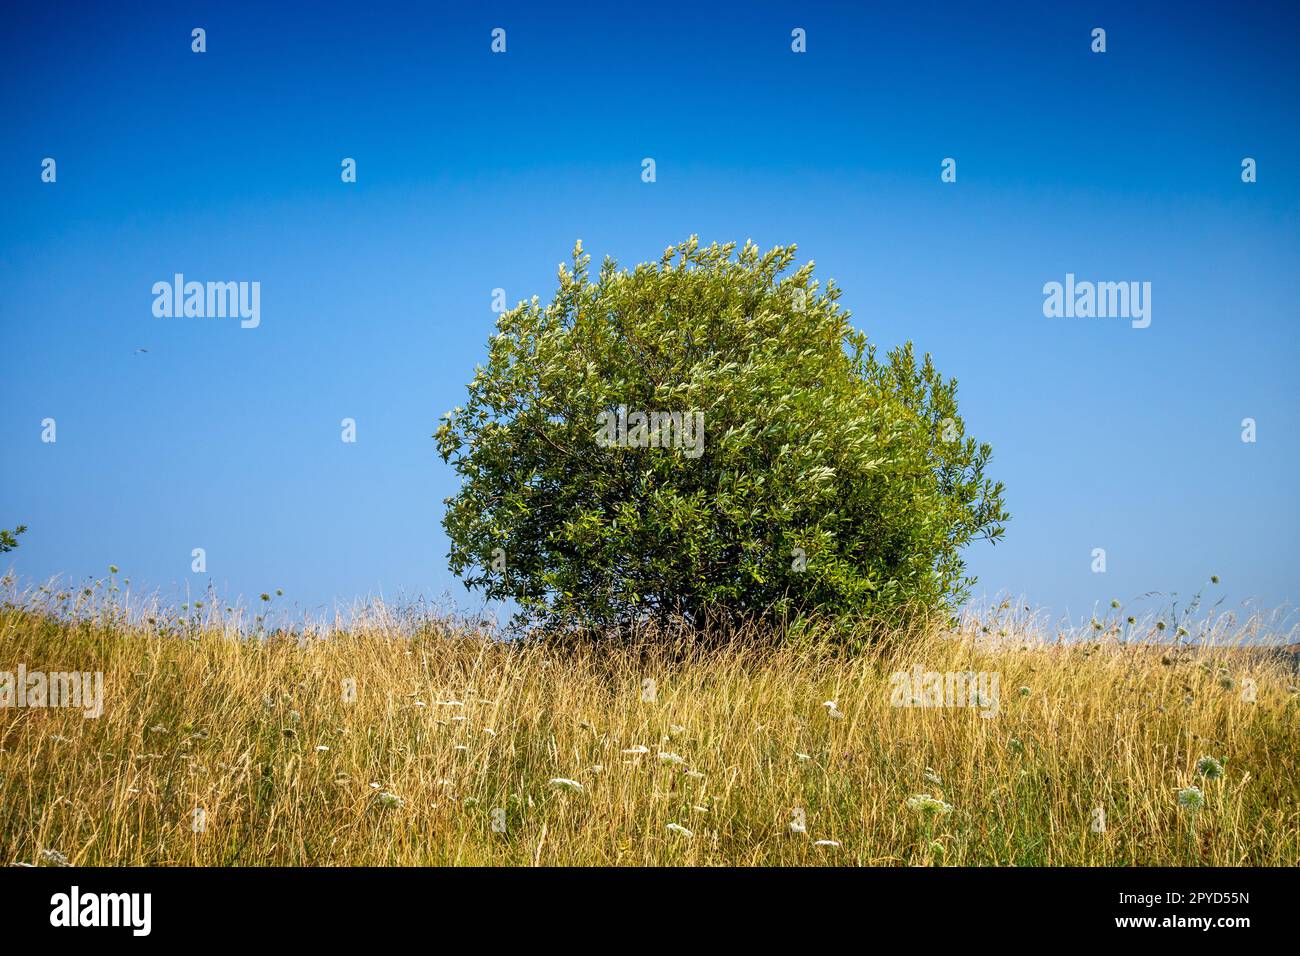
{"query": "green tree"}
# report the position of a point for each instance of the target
(829, 481)
(9, 539)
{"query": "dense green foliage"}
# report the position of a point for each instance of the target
(829, 481)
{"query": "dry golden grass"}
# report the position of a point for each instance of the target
(466, 732)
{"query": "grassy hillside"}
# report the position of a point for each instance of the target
(448, 752)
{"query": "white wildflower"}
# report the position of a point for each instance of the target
(1209, 768)
(927, 805)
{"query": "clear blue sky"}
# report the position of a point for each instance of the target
(478, 171)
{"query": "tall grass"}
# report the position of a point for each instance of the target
(448, 753)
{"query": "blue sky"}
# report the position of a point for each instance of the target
(478, 171)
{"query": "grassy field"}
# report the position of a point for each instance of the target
(455, 749)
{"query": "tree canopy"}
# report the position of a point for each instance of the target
(825, 480)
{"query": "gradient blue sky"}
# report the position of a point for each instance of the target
(478, 171)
